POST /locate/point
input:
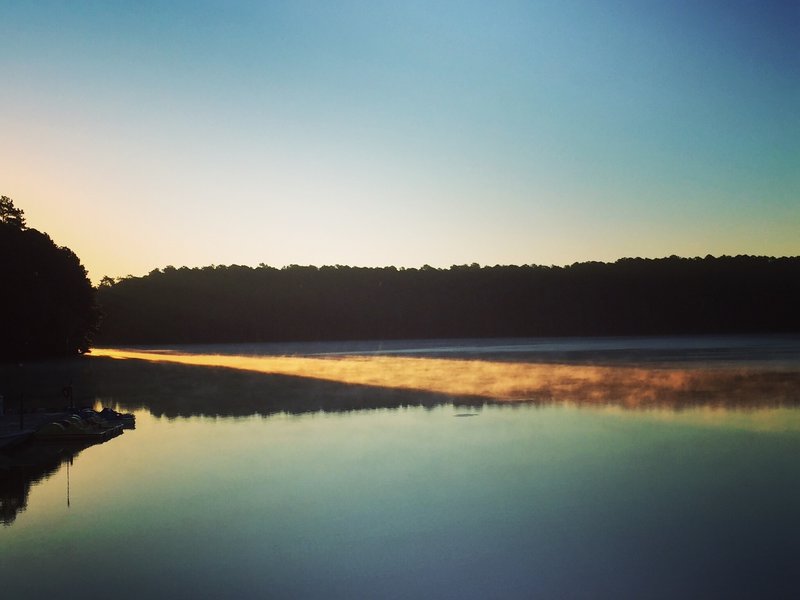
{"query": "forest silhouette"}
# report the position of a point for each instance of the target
(47, 303)
(634, 296)
(49, 308)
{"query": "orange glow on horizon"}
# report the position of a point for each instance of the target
(506, 381)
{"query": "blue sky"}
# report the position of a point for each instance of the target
(143, 134)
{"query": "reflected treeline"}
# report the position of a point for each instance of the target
(270, 385)
(175, 390)
(172, 389)
(353, 383)
(27, 465)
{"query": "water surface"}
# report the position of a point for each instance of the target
(239, 483)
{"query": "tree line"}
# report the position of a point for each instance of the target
(48, 307)
(47, 303)
(633, 296)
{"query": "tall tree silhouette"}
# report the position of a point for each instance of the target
(10, 214)
(47, 304)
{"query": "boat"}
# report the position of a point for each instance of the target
(112, 417)
(75, 428)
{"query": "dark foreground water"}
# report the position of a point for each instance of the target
(338, 492)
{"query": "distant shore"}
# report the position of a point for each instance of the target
(632, 296)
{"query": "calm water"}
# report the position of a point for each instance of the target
(241, 484)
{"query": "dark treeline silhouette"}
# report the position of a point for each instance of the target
(742, 294)
(47, 304)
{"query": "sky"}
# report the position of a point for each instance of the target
(142, 134)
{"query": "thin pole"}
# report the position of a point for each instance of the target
(21, 396)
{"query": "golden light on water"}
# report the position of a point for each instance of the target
(511, 381)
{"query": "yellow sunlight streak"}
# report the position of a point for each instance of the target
(505, 381)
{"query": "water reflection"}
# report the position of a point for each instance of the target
(756, 399)
(180, 384)
(176, 390)
(25, 466)
(521, 501)
(613, 480)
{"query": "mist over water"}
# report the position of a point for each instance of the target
(335, 473)
(729, 371)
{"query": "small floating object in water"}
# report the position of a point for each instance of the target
(466, 415)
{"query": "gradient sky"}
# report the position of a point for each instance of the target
(143, 134)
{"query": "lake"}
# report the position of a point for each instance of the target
(608, 468)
